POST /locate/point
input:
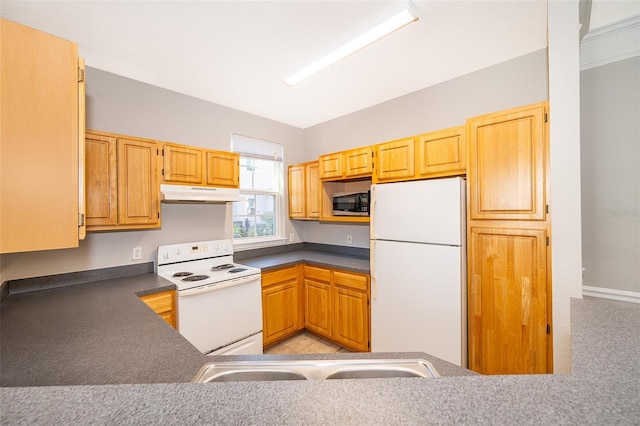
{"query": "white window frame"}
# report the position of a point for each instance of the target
(249, 147)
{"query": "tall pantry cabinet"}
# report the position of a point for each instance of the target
(509, 288)
(41, 143)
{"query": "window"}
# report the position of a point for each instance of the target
(259, 218)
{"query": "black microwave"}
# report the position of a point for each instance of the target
(351, 203)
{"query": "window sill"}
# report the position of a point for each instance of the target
(258, 243)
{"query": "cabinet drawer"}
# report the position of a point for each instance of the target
(355, 281)
(279, 276)
(159, 302)
(315, 273)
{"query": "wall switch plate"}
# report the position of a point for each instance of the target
(292, 237)
(137, 253)
(349, 239)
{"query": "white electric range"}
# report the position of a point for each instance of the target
(219, 301)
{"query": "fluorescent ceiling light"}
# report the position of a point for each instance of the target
(397, 20)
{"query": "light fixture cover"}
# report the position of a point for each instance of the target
(382, 27)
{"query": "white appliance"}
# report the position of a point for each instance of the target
(219, 301)
(418, 268)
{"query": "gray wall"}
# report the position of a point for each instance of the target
(517, 82)
(120, 105)
(610, 163)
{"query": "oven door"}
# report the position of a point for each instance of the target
(214, 316)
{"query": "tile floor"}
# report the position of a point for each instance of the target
(304, 343)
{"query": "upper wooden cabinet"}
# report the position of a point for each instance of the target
(351, 164)
(196, 166)
(122, 176)
(395, 160)
(223, 169)
(182, 164)
(42, 114)
(304, 191)
(508, 157)
(442, 153)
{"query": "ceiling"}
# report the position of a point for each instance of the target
(235, 53)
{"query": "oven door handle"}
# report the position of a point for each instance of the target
(217, 286)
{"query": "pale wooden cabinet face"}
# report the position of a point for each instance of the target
(312, 191)
(182, 164)
(351, 318)
(357, 162)
(508, 157)
(507, 301)
(297, 192)
(164, 304)
(330, 166)
(318, 306)
(279, 311)
(442, 153)
(101, 181)
(40, 115)
(223, 169)
(138, 198)
(395, 160)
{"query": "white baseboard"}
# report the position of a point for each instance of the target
(610, 43)
(607, 293)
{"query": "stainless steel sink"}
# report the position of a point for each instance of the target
(239, 371)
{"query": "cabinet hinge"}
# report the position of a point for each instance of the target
(547, 241)
(80, 220)
(162, 172)
(163, 152)
(158, 215)
(546, 209)
(546, 118)
(80, 75)
(548, 329)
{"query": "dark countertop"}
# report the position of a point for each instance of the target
(126, 365)
(316, 257)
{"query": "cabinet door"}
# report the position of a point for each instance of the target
(358, 162)
(395, 160)
(182, 164)
(223, 169)
(39, 204)
(330, 166)
(101, 180)
(164, 304)
(297, 192)
(508, 164)
(279, 311)
(312, 190)
(138, 191)
(351, 318)
(317, 306)
(507, 301)
(442, 153)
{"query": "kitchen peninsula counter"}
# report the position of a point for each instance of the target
(603, 389)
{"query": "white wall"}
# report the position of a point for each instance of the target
(610, 146)
(120, 105)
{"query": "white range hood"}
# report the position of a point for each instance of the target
(198, 194)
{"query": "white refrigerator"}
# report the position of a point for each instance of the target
(418, 268)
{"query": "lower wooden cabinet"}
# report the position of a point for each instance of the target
(164, 304)
(281, 304)
(337, 306)
(317, 300)
(329, 302)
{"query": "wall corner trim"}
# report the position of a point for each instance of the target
(610, 43)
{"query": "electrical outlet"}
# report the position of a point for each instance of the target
(137, 253)
(349, 239)
(292, 237)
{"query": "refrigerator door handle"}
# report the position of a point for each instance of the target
(374, 281)
(372, 208)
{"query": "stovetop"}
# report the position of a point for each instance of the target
(189, 265)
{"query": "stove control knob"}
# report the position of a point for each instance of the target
(177, 252)
(165, 255)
